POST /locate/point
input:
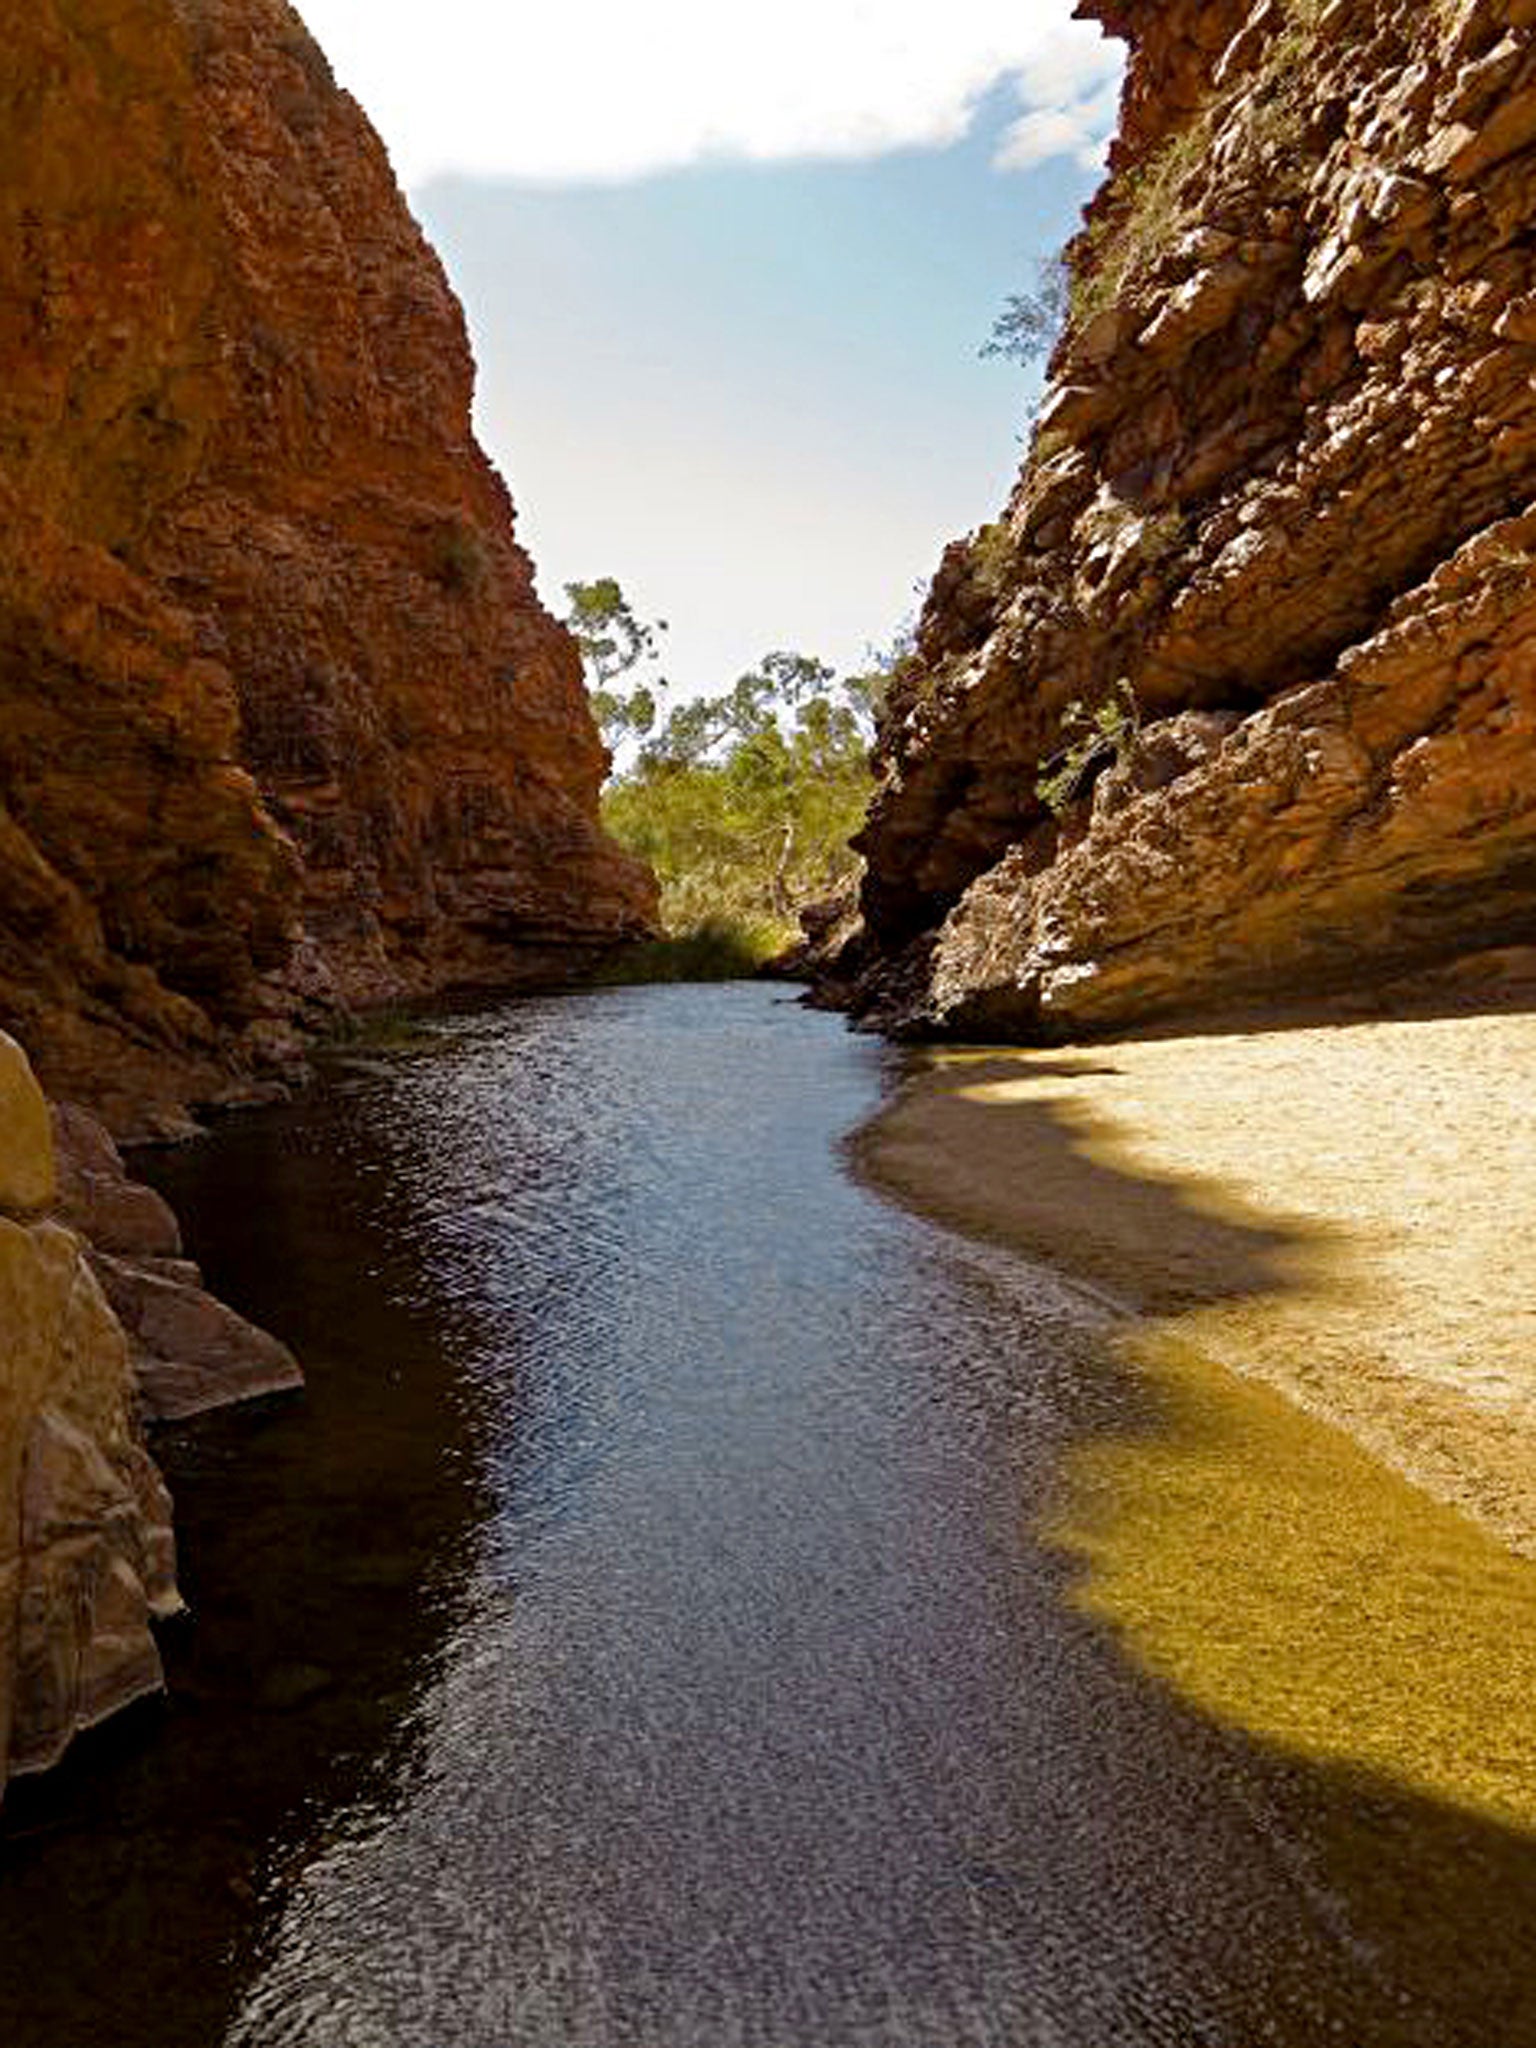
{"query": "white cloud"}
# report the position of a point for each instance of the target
(604, 90)
(1078, 126)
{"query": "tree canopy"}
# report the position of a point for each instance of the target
(1030, 323)
(743, 802)
(613, 644)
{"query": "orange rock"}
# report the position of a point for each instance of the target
(282, 721)
(1303, 498)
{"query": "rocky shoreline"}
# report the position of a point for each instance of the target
(106, 1330)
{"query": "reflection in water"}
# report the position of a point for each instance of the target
(710, 1687)
(1341, 1612)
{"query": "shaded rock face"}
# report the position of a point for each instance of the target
(86, 1554)
(188, 1351)
(282, 721)
(104, 1327)
(1283, 485)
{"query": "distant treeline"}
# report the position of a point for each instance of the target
(743, 803)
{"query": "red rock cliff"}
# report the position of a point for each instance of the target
(1279, 506)
(282, 721)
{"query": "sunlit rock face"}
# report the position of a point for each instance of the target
(1281, 486)
(282, 720)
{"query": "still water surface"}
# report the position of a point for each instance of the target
(639, 1636)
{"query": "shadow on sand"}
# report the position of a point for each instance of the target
(1365, 1647)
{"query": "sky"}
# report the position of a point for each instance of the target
(727, 273)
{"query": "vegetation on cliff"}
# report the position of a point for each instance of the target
(1232, 703)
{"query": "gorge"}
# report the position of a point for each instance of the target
(699, 1601)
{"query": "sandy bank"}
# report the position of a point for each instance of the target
(1346, 1212)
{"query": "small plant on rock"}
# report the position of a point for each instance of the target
(1162, 535)
(1030, 324)
(1094, 739)
(1155, 201)
(456, 557)
(991, 557)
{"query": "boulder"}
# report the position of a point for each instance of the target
(28, 1181)
(86, 1552)
(189, 1352)
(103, 1325)
(97, 1198)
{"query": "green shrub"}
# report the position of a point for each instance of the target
(1156, 200)
(456, 557)
(1094, 739)
(991, 554)
(1151, 210)
(718, 948)
(744, 804)
(1030, 323)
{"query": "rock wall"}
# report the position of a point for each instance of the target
(1280, 509)
(188, 1351)
(282, 721)
(104, 1327)
(86, 1554)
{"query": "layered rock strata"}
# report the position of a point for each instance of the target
(282, 721)
(1276, 528)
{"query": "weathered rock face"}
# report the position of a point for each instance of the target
(282, 720)
(104, 1327)
(1282, 488)
(86, 1555)
(188, 1351)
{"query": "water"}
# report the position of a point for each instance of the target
(639, 1637)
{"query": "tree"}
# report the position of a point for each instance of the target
(755, 704)
(623, 715)
(745, 802)
(1028, 327)
(1091, 740)
(612, 640)
(613, 643)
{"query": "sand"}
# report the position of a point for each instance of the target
(1347, 1213)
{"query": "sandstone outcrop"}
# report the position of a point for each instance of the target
(104, 1326)
(1280, 505)
(189, 1352)
(283, 723)
(284, 729)
(86, 1553)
